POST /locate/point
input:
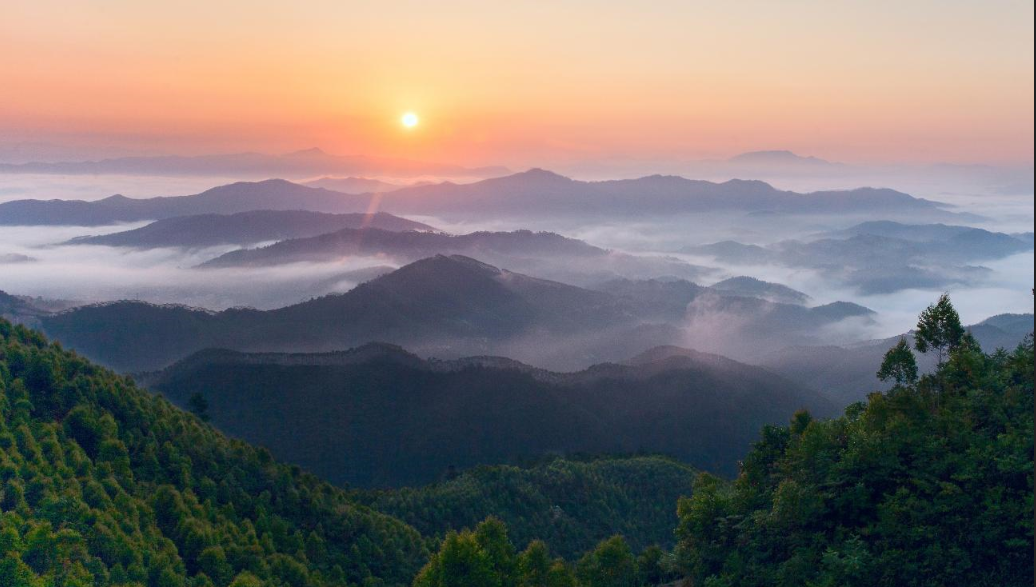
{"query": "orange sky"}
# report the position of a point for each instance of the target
(525, 83)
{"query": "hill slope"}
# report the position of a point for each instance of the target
(440, 306)
(928, 484)
(380, 416)
(103, 483)
(569, 504)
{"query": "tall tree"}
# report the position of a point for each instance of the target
(899, 364)
(938, 328)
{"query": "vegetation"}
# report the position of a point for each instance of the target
(104, 484)
(486, 557)
(568, 504)
(377, 416)
(929, 484)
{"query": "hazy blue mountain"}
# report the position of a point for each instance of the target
(377, 415)
(781, 158)
(532, 193)
(352, 185)
(848, 373)
(435, 299)
(407, 246)
(675, 299)
(245, 228)
(271, 194)
(883, 257)
(538, 191)
(446, 306)
(757, 288)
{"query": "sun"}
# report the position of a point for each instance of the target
(410, 120)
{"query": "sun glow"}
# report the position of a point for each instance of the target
(410, 120)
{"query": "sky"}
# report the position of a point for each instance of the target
(523, 83)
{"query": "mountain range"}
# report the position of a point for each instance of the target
(377, 415)
(848, 373)
(441, 306)
(408, 246)
(883, 256)
(532, 193)
(245, 228)
(352, 185)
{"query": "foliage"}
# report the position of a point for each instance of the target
(899, 364)
(568, 504)
(929, 484)
(485, 557)
(938, 328)
(104, 484)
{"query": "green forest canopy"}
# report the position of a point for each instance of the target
(104, 484)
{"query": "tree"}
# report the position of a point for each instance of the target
(534, 565)
(611, 564)
(460, 561)
(938, 328)
(899, 364)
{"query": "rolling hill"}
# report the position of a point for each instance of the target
(409, 246)
(440, 306)
(105, 483)
(380, 416)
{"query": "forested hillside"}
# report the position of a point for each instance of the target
(569, 504)
(928, 484)
(931, 483)
(104, 484)
(378, 416)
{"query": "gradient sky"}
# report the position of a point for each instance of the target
(525, 83)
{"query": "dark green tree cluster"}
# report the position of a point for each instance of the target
(569, 504)
(103, 484)
(929, 484)
(486, 557)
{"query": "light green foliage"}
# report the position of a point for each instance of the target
(103, 484)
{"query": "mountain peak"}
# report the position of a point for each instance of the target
(310, 152)
(541, 174)
(775, 156)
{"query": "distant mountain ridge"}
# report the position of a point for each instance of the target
(847, 373)
(541, 191)
(531, 193)
(409, 245)
(778, 157)
(352, 185)
(883, 256)
(271, 194)
(244, 228)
